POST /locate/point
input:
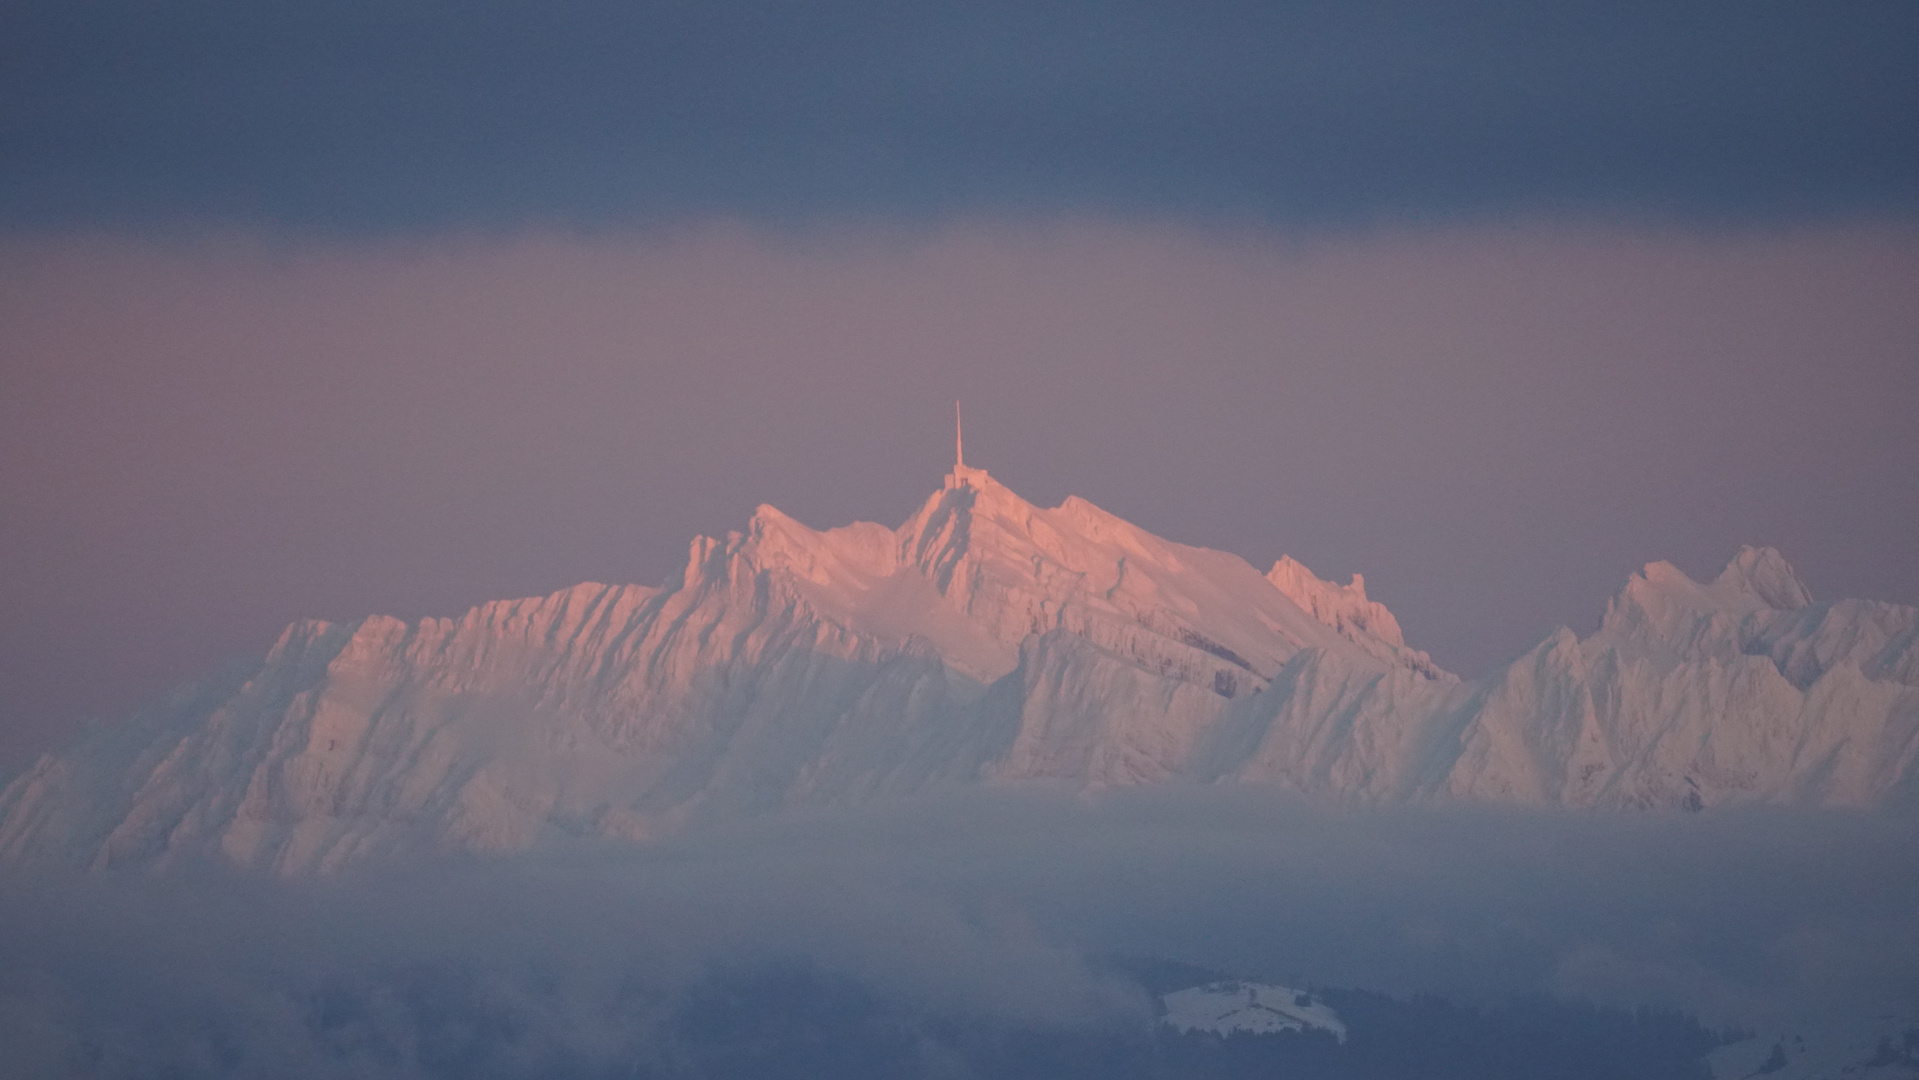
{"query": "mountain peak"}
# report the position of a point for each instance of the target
(1756, 579)
(1662, 604)
(1764, 573)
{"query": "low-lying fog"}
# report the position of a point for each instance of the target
(1005, 905)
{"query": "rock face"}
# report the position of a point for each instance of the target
(984, 641)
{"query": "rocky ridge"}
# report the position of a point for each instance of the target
(985, 641)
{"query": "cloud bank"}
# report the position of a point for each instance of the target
(366, 117)
(1007, 909)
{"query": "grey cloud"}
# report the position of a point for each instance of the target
(1006, 906)
(370, 117)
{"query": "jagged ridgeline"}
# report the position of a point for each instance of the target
(985, 641)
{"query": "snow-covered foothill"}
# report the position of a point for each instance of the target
(1226, 1008)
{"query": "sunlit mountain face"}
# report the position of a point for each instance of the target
(984, 642)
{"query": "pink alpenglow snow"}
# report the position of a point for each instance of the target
(985, 641)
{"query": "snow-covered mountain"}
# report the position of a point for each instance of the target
(986, 640)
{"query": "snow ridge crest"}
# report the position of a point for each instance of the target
(984, 641)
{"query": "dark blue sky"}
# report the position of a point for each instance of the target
(364, 117)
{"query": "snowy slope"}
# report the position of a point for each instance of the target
(1224, 1008)
(986, 640)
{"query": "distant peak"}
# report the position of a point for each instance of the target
(1661, 604)
(1764, 573)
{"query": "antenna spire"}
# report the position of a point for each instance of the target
(959, 440)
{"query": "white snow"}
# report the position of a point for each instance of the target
(985, 640)
(1224, 1008)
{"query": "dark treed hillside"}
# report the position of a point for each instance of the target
(778, 1020)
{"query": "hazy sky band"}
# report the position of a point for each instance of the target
(364, 116)
(202, 442)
